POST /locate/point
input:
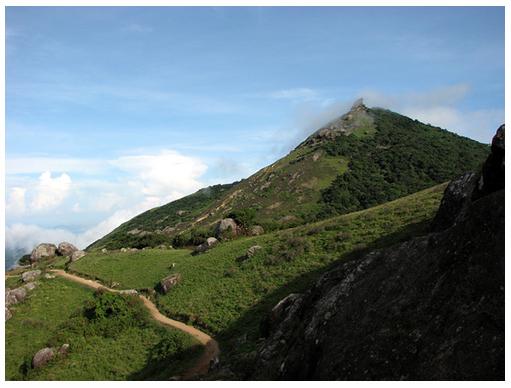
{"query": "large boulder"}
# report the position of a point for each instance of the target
(77, 255)
(66, 249)
(170, 281)
(42, 251)
(208, 244)
(225, 226)
(30, 276)
(15, 296)
(42, 357)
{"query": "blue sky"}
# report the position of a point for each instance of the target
(110, 110)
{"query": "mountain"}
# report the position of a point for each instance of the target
(431, 308)
(365, 157)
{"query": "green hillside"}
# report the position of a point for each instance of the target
(363, 158)
(229, 297)
(124, 344)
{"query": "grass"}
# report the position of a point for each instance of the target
(217, 289)
(52, 315)
(143, 269)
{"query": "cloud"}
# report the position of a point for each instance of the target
(26, 237)
(441, 107)
(50, 192)
(168, 174)
(16, 201)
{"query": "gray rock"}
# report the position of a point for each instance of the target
(15, 296)
(169, 282)
(64, 349)
(124, 250)
(49, 276)
(30, 286)
(252, 250)
(66, 249)
(104, 250)
(42, 251)
(227, 225)
(208, 244)
(42, 357)
(256, 230)
(30, 276)
(128, 292)
(77, 255)
(8, 314)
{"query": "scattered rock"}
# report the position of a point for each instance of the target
(170, 281)
(15, 296)
(30, 276)
(223, 227)
(208, 244)
(256, 230)
(124, 250)
(42, 357)
(42, 251)
(8, 314)
(104, 250)
(64, 349)
(128, 292)
(181, 212)
(30, 286)
(252, 250)
(77, 255)
(66, 249)
(49, 276)
(133, 250)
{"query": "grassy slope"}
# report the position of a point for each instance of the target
(382, 159)
(217, 290)
(39, 320)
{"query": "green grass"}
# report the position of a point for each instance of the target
(52, 315)
(143, 269)
(217, 290)
(13, 282)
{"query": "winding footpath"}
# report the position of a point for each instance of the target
(211, 349)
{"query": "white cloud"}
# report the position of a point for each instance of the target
(16, 200)
(50, 192)
(440, 107)
(26, 237)
(169, 174)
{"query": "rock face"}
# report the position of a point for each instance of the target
(77, 255)
(42, 251)
(227, 225)
(42, 357)
(208, 244)
(30, 276)
(66, 249)
(431, 308)
(170, 281)
(15, 296)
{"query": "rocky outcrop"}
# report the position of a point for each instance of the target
(169, 282)
(431, 308)
(66, 249)
(42, 251)
(77, 255)
(208, 244)
(30, 276)
(226, 226)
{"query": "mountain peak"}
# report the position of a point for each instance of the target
(359, 116)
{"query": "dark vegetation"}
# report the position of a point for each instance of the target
(403, 157)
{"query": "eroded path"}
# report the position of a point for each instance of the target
(211, 349)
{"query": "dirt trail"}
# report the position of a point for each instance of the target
(211, 349)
